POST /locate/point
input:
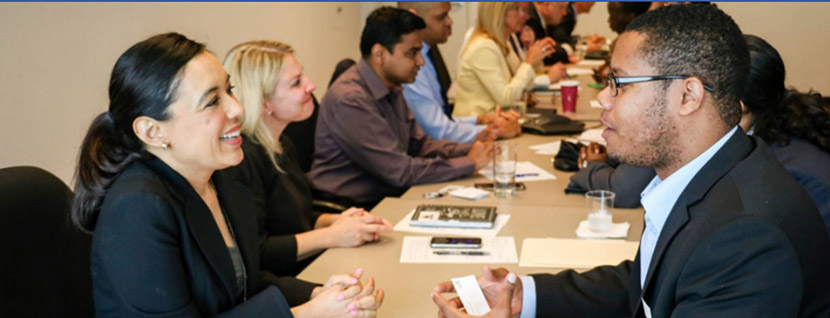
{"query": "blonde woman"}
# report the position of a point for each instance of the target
(485, 78)
(270, 85)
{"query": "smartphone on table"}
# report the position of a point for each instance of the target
(455, 242)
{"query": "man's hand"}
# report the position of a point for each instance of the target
(481, 153)
(590, 153)
(503, 291)
(557, 72)
(507, 127)
(492, 283)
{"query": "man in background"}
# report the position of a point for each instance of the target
(427, 96)
(367, 144)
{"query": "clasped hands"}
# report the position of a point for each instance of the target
(343, 296)
(501, 288)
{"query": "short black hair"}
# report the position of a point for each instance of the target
(700, 41)
(386, 26)
(635, 8)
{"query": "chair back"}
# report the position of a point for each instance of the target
(45, 270)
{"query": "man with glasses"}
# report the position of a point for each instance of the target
(728, 233)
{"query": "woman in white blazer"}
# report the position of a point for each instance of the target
(485, 79)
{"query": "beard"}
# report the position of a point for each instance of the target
(656, 139)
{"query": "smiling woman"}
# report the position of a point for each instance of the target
(171, 238)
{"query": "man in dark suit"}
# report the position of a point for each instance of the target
(542, 18)
(562, 32)
(728, 233)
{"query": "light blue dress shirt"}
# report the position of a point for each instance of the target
(658, 199)
(424, 100)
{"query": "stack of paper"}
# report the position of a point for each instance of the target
(575, 253)
(501, 249)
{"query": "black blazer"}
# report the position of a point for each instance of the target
(283, 205)
(743, 240)
(157, 251)
(536, 24)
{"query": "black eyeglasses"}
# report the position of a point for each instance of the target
(615, 82)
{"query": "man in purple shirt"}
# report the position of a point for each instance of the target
(368, 145)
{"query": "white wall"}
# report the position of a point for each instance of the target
(55, 59)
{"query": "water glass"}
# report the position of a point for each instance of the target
(504, 168)
(600, 203)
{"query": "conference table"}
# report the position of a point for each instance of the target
(542, 210)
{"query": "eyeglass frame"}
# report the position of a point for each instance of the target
(610, 78)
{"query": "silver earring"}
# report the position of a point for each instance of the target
(270, 112)
(165, 145)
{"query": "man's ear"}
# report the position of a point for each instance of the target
(693, 94)
(744, 111)
(150, 132)
(379, 53)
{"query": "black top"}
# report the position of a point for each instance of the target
(157, 250)
(283, 200)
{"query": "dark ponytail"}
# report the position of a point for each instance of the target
(781, 113)
(144, 82)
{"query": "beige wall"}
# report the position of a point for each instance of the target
(55, 59)
(797, 30)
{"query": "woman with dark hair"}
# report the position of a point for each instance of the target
(170, 237)
(795, 125)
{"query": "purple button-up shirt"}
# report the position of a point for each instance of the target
(368, 146)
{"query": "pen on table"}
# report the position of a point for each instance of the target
(474, 253)
(527, 175)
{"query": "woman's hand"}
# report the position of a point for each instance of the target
(343, 296)
(539, 51)
(355, 227)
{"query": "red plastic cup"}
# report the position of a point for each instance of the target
(569, 94)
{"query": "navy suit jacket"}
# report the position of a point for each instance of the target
(742, 240)
(157, 251)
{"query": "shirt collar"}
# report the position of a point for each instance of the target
(660, 196)
(376, 87)
(541, 18)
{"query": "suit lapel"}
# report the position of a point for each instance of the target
(733, 151)
(242, 219)
(202, 227)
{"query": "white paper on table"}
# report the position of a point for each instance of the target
(575, 253)
(579, 71)
(403, 226)
(594, 135)
(595, 104)
(558, 87)
(525, 171)
(590, 63)
(501, 249)
(548, 148)
(617, 230)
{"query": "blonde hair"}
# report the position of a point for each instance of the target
(491, 22)
(255, 68)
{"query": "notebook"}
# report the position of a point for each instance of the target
(435, 215)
